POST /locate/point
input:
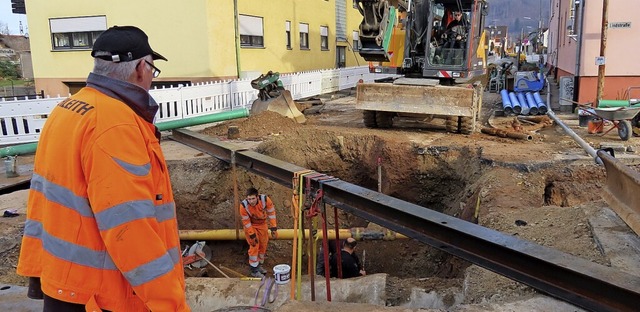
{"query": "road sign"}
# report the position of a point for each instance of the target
(600, 60)
(620, 25)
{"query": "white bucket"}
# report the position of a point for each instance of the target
(282, 273)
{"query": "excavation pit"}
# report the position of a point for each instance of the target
(553, 200)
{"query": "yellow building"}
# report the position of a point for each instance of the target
(197, 36)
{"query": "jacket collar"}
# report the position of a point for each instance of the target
(135, 97)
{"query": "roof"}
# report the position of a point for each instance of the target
(15, 42)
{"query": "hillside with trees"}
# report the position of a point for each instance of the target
(518, 15)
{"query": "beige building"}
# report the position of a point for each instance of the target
(574, 45)
(498, 38)
(197, 36)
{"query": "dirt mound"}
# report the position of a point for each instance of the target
(255, 127)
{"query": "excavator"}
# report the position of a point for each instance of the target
(438, 49)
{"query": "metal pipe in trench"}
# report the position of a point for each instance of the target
(287, 234)
(590, 150)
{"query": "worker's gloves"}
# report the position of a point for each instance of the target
(253, 240)
(274, 232)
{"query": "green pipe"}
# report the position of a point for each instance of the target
(30, 148)
(615, 103)
(193, 121)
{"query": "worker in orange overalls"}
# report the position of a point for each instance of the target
(255, 210)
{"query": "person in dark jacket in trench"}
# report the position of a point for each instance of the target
(351, 266)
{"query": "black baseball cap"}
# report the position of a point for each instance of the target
(123, 44)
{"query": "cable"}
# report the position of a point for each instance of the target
(353, 51)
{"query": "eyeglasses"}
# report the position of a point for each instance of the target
(156, 71)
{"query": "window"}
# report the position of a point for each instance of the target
(76, 33)
(356, 41)
(287, 27)
(304, 36)
(251, 31)
(324, 38)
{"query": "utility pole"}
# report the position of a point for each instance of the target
(521, 47)
(603, 48)
(539, 41)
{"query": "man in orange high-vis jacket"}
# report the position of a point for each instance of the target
(258, 217)
(101, 230)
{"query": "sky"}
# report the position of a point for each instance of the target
(12, 20)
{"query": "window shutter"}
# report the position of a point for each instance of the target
(250, 25)
(78, 24)
(341, 20)
(304, 28)
(324, 31)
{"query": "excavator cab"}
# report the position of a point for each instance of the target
(440, 39)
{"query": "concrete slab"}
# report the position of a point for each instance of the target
(299, 306)
(616, 240)
(442, 299)
(212, 294)
(208, 294)
(539, 303)
(616, 146)
(14, 298)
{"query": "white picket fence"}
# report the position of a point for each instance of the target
(22, 120)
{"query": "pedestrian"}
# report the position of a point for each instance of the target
(101, 230)
(255, 210)
(351, 266)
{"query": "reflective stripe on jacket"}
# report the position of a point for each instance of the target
(258, 214)
(101, 223)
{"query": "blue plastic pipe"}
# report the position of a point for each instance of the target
(523, 103)
(515, 104)
(533, 106)
(541, 106)
(506, 102)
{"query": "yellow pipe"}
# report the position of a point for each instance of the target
(230, 234)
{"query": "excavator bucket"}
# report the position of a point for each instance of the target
(622, 190)
(282, 104)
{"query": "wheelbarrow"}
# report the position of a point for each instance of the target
(620, 117)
